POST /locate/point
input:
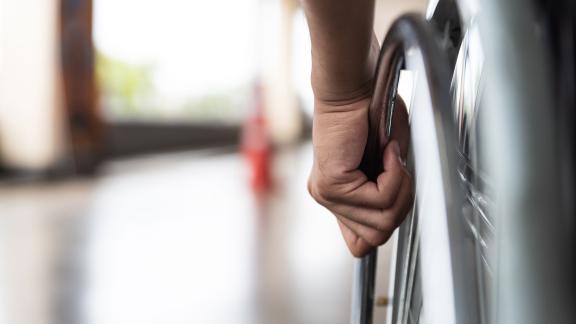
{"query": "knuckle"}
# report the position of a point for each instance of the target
(322, 190)
(319, 192)
(326, 192)
(314, 192)
(310, 187)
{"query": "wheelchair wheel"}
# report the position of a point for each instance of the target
(491, 236)
(430, 239)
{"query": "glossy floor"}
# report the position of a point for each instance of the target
(177, 238)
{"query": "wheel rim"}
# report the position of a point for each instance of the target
(438, 226)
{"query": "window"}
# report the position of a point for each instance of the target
(168, 60)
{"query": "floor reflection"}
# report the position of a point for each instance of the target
(173, 239)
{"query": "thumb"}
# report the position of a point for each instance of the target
(392, 159)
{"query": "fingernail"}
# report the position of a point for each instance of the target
(395, 147)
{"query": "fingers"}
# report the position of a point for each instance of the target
(356, 245)
(400, 126)
(394, 172)
(355, 189)
(402, 205)
(383, 220)
(369, 235)
(368, 212)
(361, 238)
(374, 218)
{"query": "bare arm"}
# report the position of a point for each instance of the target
(344, 55)
(344, 50)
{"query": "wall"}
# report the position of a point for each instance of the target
(30, 89)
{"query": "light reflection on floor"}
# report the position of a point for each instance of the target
(175, 239)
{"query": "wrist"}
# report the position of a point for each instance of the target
(347, 80)
(341, 110)
(343, 96)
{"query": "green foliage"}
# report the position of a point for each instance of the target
(124, 86)
(128, 92)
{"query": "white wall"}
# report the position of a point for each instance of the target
(388, 10)
(30, 90)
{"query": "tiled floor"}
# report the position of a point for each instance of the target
(177, 238)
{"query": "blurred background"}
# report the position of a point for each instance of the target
(153, 165)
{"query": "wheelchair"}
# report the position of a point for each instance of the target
(491, 236)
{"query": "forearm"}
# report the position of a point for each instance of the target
(344, 55)
(344, 50)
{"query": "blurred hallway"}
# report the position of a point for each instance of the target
(163, 238)
(174, 239)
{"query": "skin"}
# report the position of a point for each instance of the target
(344, 55)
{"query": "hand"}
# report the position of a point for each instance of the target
(367, 212)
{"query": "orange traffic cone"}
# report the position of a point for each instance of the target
(256, 144)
